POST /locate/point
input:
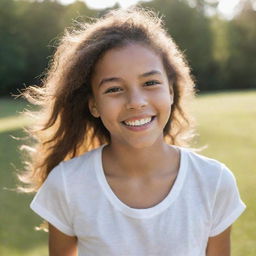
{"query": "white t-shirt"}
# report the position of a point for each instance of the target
(77, 199)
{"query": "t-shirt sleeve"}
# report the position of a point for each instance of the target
(228, 205)
(51, 202)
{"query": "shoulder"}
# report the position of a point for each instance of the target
(77, 166)
(201, 162)
(82, 160)
(206, 169)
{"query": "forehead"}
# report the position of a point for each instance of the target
(127, 60)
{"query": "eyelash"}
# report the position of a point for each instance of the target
(112, 90)
(154, 81)
(116, 89)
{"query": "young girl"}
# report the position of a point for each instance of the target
(118, 87)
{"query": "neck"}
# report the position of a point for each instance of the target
(138, 162)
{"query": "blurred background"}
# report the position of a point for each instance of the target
(218, 38)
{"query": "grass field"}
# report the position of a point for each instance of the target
(226, 124)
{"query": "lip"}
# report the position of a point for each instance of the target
(139, 128)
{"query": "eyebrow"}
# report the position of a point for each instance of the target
(117, 79)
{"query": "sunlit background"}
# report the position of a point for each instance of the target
(225, 7)
(218, 39)
(217, 36)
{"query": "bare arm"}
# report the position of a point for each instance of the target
(61, 244)
(219, 245)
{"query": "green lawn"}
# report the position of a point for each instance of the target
(226, 124)
(9, 114)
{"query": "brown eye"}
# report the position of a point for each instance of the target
(152, 82)
(113, 90)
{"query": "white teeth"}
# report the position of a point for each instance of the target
(138, 122)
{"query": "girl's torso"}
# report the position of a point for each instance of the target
(202, 201)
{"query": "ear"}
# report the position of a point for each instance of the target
(92, 107)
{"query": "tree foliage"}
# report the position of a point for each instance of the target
(241, 64)
(190, 28)
(220, 52)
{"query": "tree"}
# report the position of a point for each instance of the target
(191, 30)
(28, 30)
(241, 63)
(12, 63)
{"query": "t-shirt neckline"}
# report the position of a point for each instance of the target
(146, 212)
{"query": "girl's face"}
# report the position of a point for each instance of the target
(131, 95)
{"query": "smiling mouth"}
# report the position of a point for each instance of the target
(140, 122)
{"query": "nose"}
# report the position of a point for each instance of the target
(136, 100)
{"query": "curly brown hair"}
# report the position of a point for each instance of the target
(63, 127)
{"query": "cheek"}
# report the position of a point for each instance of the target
(164, 103)
(109, 111)
(164, 98)
(106, 119)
